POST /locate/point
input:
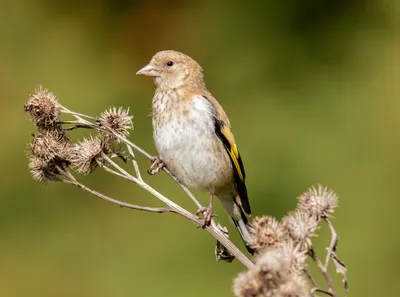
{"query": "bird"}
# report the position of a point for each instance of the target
(194, 139)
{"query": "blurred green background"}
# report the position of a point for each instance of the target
(310, 88)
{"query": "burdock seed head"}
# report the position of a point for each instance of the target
(43, 170)
(318, 201)
(247, 284)
(266, 233)
(49, 152)
(271, 276)
(43, 107)
(86, 155)
(117, 120)
(297, 286)
(301, 226)
(51, 143)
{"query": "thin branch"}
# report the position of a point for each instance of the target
(333, 244)
(310, 277)
(314, 290)
(134, 162)
(73, 123)
(123, 204)
(127, 142)
(75, 126)
(331, 254)
(121, 170)
(324, 272)
(71, 180)
(109, 170)
(76, 114)
(316, 287)
(145, 186)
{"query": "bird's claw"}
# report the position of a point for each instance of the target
(207, 214)
(156, 166)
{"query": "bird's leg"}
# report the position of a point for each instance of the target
(207, 211)
(156, 166)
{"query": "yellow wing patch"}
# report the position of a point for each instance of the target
(233, 151)
(235, 156)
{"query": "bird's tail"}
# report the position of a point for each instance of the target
(243, 228)
(239, 218)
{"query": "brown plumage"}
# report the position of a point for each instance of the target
(193, 135)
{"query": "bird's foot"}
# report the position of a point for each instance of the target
(207, 214)
(156, 166)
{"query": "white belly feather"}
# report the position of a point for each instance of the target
(189, 147)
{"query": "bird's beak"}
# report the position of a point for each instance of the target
(148, 70)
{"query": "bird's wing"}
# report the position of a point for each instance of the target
(224, 133)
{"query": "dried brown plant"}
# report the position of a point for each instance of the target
(279, 267)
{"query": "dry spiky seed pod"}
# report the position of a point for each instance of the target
(319, 202)
(296, 287)
(43, 107)
(301, 226)
(274, 261)
(266, 233)
(272, 270)
(47, 151)
(44, 170)
(51, 143)
(272, 275)
(118, 120)
(245, 284)
(295, 256)
(86, 154)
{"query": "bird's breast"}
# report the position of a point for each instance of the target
(186, 141)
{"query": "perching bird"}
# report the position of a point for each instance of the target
(193, 136)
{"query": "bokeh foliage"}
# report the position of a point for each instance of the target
(310, 88)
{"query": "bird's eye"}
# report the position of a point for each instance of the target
(170, 63)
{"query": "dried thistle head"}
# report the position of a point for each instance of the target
(319, 202)
(301, 226)
(272, 275)
(294, 255)
(49, 151)
(51, 143)
(266, 233)
(44, 170)
(87, 153)
(43, 107)
(296, 287)
(273, 269)
(118, 120)
(270, 271)
(246, 284)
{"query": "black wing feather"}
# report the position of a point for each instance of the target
(239, 173)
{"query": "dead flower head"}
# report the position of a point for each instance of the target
(294, 255)
(301, 226)
(48, 152)
(43, 107)
(44, 170)
(271, 276)
(51, 143)
(296, 287)
(246, 284)
(87, 153)
(118, 120)
(266, 233)
(319, 202)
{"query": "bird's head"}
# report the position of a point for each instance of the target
(170, 69)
